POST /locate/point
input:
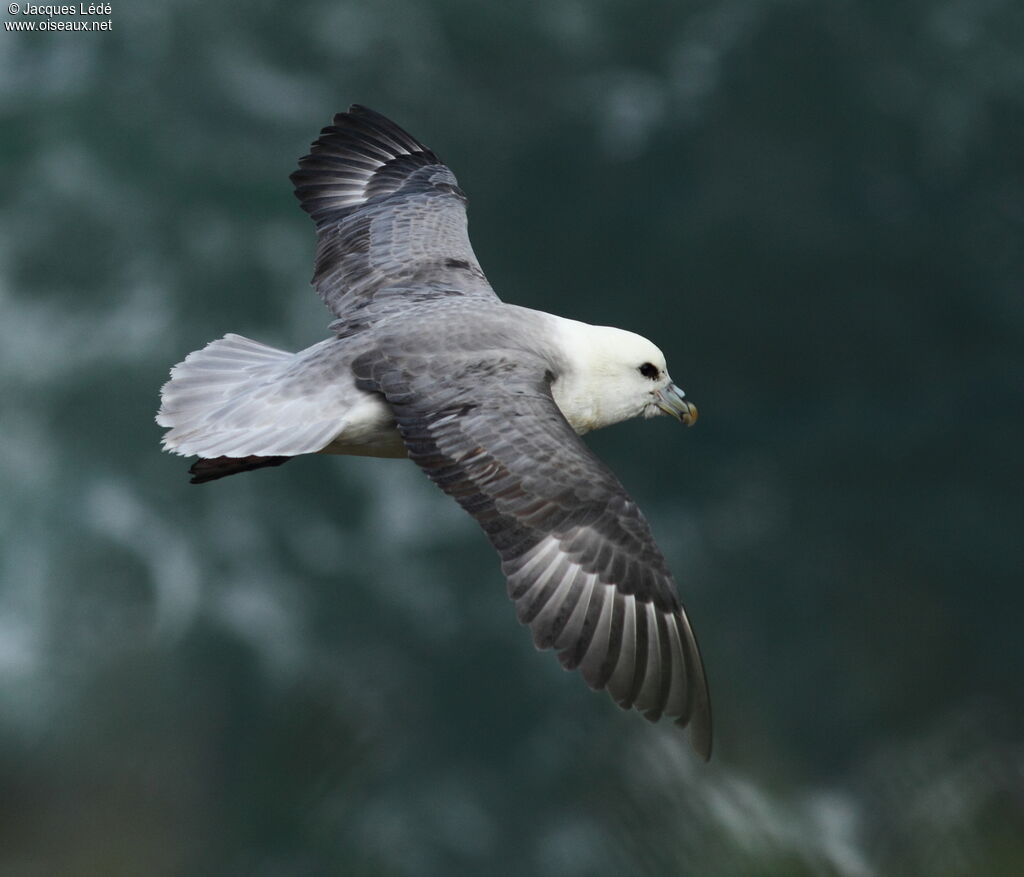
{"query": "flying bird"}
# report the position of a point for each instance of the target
(488, 399)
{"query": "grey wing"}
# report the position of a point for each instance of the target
(582, 566)
(390, 219)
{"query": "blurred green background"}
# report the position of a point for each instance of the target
(815, 209)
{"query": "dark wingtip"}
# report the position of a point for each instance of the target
(365, 112)
(347, 155)
(700, 740)
(699, 726)
(210, 469)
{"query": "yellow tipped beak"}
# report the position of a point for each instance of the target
(672, 401)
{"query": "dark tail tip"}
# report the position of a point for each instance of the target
(204, 470)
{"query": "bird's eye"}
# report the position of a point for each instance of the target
(649, 370)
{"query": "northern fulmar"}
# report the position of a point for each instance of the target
(488, 399)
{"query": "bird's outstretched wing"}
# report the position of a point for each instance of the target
(390, 219)
(581, 564)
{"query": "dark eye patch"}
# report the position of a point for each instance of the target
(649, 370)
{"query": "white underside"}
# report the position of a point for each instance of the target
(369, 431)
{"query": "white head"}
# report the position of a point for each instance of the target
(614, 375)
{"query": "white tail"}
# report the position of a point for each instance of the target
(234, 398)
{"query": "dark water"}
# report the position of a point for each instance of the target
(816, 210)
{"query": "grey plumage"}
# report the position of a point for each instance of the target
(576, 551)
(390, 220)
(426, 361)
